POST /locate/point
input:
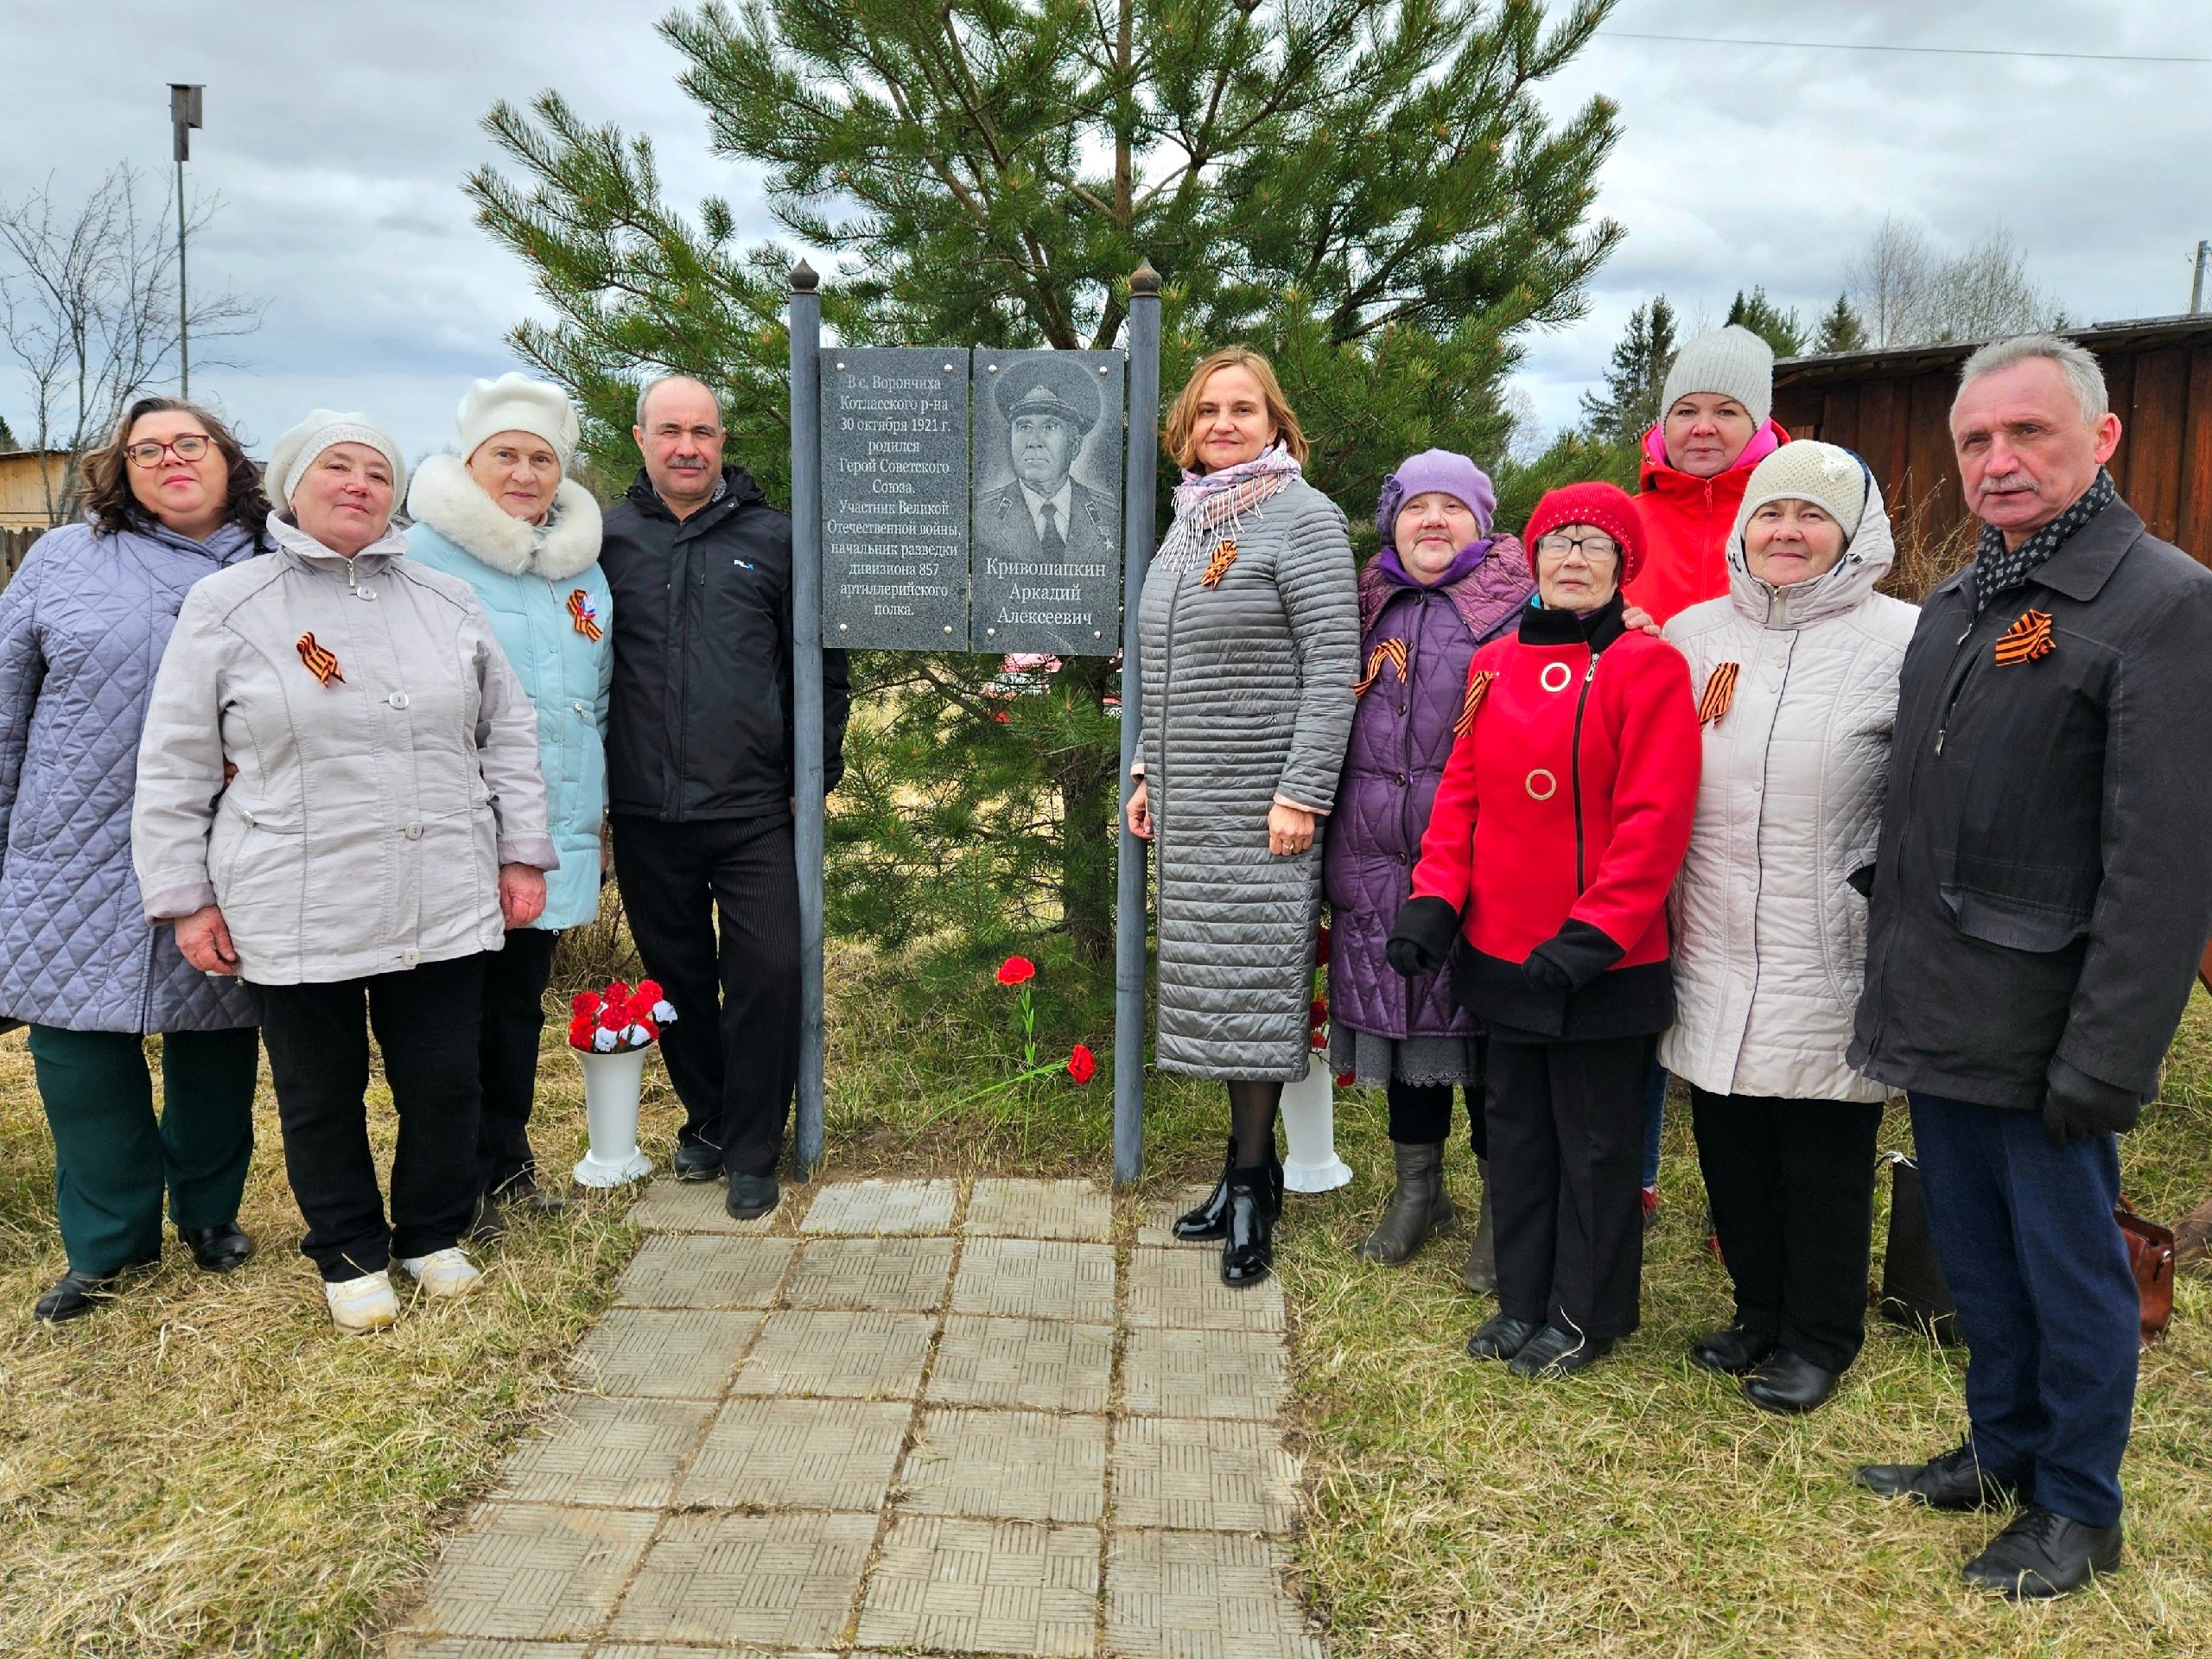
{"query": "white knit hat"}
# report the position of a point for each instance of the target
(1831, 478)
(291, 455)
(514, 402)
(1732, 362)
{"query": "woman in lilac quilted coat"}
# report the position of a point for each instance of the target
(171, 499)
(1442, 586)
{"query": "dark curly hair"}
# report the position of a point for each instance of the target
(112, 508)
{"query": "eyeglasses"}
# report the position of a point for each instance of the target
(186, 446)
(1593, 547)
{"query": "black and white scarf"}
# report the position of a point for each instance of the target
(1998, 569)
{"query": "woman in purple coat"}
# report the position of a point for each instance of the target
(1441, 586)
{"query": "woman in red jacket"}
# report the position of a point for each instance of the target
(1562, 817)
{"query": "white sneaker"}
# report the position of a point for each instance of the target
(443, 1273)
(361, 1305)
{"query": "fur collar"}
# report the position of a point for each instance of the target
(444, 497)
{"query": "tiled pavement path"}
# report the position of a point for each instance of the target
(932, 1417)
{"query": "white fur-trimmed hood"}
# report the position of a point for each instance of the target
(444, 497)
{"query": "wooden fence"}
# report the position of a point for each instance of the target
(14, 545)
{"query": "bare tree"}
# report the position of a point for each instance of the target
(89, 310)
(1906, 291)
(1888, 281)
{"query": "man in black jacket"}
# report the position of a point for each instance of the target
(2042, 894)
(699, 749)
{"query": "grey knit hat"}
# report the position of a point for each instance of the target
(296, 451)
(1830, 477)
(1732, 362)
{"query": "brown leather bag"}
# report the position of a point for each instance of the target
(2150, 1253)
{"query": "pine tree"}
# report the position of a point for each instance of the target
(1840, 329)
(1369, 190)
(1779, 328)
(7, 444)
(1638, 378)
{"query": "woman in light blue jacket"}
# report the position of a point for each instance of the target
(504, 518)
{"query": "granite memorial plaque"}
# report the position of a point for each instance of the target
(1049, 443)
(894, 499)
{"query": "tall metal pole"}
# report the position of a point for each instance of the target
(806, 695)
(1130, 929)
(2197, 285)
(184, 116)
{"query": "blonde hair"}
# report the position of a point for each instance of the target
(1180, 437)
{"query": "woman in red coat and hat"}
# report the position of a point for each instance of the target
(1563, 815)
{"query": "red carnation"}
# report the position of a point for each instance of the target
(585, 1005)
(579, 1032)
(1317, 1012)
(1320, 1040)
(1345, 1079)
(650, 990)
(617, 990)
(1321, 948)
(1083, 1064)
(614, 1018)
(1016, 970)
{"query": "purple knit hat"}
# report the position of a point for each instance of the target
(1435, 469)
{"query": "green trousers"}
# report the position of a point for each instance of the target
(112, 1159)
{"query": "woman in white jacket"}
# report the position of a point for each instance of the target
(1796, 671)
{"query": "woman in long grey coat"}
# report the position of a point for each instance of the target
(172, 498)
(1250, 627)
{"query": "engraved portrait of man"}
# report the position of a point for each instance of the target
(1044, 514)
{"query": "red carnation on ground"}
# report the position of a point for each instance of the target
(1083, 1064)
(1345, 1079)
(1017, 970)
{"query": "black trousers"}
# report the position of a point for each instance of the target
(515, 978)
(714, 907)
(1791, 1184)
(1421, 1115)
(426, 1022)
(1566, 1156)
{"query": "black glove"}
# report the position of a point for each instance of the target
(1423, 938)
(2078, 1105)
(1572, 957)
(1861, 880)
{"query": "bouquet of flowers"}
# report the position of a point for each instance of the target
(619, 1019)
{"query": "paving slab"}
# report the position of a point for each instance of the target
(672, 1206)
(524, 1571)
(1202, 1476)
(781, 1580)
(798, 1454)
(1239, 1373)
(1012, 1465)
(844, 1355)
(704, 1270)
(984, 1586)
(1201, 1595)
(1019, 1209)
(625, 1454)
(686, 1650)
(865, 1209)
(892, 1275)
(1154, 1224)
(469, 1647)
(1046, 1365)
(1035, 1278)
(663, 1353)
(1182, 1288)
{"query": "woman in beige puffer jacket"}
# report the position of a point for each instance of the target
(1796, 671)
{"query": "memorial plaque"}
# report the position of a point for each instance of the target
(894, 499)
(1049, 442)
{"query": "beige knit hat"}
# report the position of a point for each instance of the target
(294, 451)
(1832, 479)
(1732, 362)
(515, 403)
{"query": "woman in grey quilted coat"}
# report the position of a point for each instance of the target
(171, 499)
(1248, 626)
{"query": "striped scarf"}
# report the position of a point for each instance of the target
(1206, 501)
(1998, 569)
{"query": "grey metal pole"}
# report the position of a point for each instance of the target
(806, 695)
(1130, 930)
(183, 301)
(2196, 284)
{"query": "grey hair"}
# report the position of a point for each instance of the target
(659, 380)
(2078, 366)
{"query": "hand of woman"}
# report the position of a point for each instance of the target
(1139, 812)
(1290, 829)
(1636, 618)
(521, 895)
(205, 938)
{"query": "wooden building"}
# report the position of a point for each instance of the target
(1893, 406)
(24, 484)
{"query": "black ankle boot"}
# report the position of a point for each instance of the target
(1419, 1206)
(1210, 1218)
(1248, 1250)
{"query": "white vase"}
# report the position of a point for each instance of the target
(1309, 1125)
(612, 1083)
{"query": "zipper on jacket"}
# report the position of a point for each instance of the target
(1574, 766)
(1958, 684)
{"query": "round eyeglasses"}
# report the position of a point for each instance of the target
(186, 446)
(1593, 547)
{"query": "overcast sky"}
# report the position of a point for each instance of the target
(338, 138)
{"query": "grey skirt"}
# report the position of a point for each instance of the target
(1377, 1062)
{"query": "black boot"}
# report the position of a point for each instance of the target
(1419, 1206)
(1211, 1219)
(1248, 1250)
(1479, 1275)
(74, 1295)
(217, 1248)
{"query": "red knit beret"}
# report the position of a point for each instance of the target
(1605, 506)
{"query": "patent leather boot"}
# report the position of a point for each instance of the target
(1248, 1250)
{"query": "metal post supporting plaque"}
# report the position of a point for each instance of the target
(1129, 928)
(806, 696)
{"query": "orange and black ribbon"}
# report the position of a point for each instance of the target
(585, 616)
(2026, 639)
(320, 662)
(1390, 650)
(1477, 689)
(1720, 692)
(1217, 567)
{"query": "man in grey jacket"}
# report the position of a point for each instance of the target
(2042, 894)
